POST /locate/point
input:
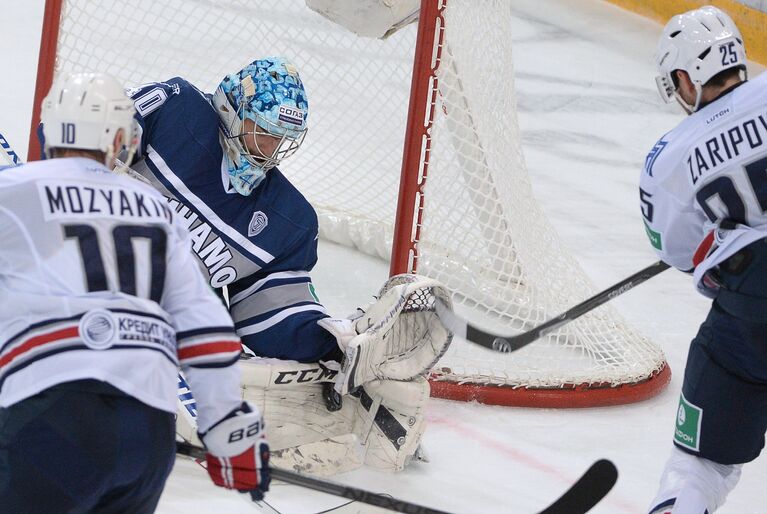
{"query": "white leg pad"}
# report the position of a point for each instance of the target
(695, 484)
(303, 435)
(389, 421)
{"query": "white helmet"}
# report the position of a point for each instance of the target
(84, 111)
(702, 42)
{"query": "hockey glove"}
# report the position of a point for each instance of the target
(238, 455)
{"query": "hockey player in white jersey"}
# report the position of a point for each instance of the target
(703, 197)
(102, 300)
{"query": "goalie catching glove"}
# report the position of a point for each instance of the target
(399, 337)
(237, 453)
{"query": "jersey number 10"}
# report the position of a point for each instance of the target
(122, 235)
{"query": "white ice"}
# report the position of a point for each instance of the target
(588, 113)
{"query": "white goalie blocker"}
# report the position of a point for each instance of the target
(380, 421)
(368, 18)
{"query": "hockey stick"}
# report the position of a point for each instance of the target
(325, 486)
(581, 497)
(505, 344)
(589, 490)
(7, 152)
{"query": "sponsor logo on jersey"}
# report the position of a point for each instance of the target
(98, 329)
(258, 223)
(292, 115)
(147, 330)
(688, 423)
(718, 115)
(313, 292)
(654, 237)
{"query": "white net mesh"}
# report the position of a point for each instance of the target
(483, 233)
(485, 236)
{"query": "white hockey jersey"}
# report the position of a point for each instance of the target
(703, 190)
(97, 280)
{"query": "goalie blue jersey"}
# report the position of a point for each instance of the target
(261, 246)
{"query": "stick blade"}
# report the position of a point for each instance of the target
(589, 490)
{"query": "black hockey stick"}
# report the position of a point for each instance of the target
(505, 344)
(324, 486)
(589, 490)
(581, 497)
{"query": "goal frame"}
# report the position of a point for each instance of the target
(412, 201)
(407, 229)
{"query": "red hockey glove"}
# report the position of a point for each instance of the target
(238, 455)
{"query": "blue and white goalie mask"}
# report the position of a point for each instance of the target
(263, 111)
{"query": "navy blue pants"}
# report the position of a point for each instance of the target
(723, 409)
(84, 446)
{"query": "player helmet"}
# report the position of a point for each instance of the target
(702, 42)
(270, 93)
(84, 111)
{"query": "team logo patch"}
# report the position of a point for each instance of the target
(688, 421)
(653, 155)
(291, 115)
(258, 223)
(98, 329)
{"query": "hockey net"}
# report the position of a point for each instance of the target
(467, 214)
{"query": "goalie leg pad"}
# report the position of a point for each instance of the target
(694, 485)
(304, 435)
(290, 396)
(400, 336)
(389, 421)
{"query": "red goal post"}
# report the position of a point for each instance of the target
(424, 120)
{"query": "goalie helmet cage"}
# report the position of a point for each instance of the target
(466, 212)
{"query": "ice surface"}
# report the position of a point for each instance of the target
(588, 113)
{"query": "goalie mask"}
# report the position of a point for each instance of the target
(84, 111)
(703, 43)
(263, 111)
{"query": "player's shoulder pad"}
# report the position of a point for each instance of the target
(286, 200)
(149, 97)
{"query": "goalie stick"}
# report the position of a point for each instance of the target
(505, 344)
(581, 497)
